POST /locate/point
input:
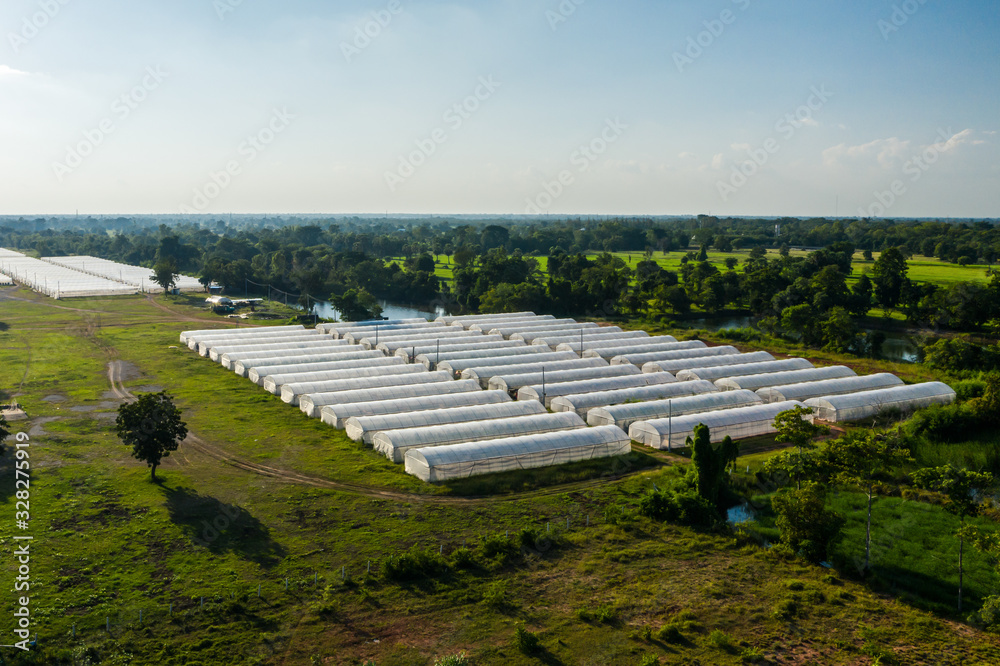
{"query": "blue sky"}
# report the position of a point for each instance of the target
(758, 107)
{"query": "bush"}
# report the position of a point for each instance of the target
(463, 558)
(685, 507)
(945, 423)
(413, 564)
(670, 633)
(649, 660)
(745, 334)
(525, 641)
(989, 614)
(968, 389)
(453, 660)
(495, 596)
(752, 655)
(499, 548)
(720, 640)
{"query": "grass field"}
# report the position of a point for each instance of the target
(265, 495)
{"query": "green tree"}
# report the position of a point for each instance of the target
(793, 428)
(165, 274)
(152, 426)
(806, 526)
(889, 275)
(708, 465)
(356, 305)
(863, 459)
(962, 487)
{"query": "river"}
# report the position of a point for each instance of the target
(389, 310)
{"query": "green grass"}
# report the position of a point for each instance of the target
(110, 544)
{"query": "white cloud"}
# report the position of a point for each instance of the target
(887, 153)
(717, 161)
(9, 72)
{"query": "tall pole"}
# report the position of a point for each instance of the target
(543, 386)
(670, 425)
(581, 343)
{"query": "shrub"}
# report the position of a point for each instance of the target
(525, 641)
(752, 655)
(606, 614)
(649, 660)
(499, 547)
(990, 612)
(413, 564)
(945, 423)
(785, 609)
(453, 660)
(745, 334)
(684, 507)
(967, 389)
(495, 596)
(670, 633)
(463, 558)
(720, 639)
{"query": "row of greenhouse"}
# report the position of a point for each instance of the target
(78, 277)
(466, 395)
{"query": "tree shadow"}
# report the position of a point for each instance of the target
(222, 527)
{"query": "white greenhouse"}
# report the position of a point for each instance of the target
(347, 370)
(303, 357)
(261, 336)
(304, 400)
(675, 365)
(513, 382)
(457, 366)
(239, 362)
(337, 415)
(364, 428)
(624, 416)
(340, 328)
(475, 341)
(134, 276)
(711, 373)
(545, 394)
(484, 375)
(391, 346)
(394, 444)
(229, 360)
(487, 326)
(313, 403)
(754, 382)
(458, 461)
(627, 344)
(410, 352)
(641, 358)
(582, 403)
(228, 344)
(258, 375)
(371, 340)
(805, 390)
(462, 319)
(238, 331)
(554, 341)
(58, 281)
(738, 423)
(291, 392)
(560, 329)
(431, 358)
(863, 405)
(576, 330)
(640, 346)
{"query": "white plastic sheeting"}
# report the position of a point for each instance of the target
(371, 339)
(208, 332)
(313, 403)
(411, 351)
(394, 444)
(259, 336)
(346, 370)
(306, 403)
(582, 403)
(550, 391)
(471, 319)
(593, 332)
(806, 390)
(488, 326)
(337, 415)
(738, 423)
(638, 346)
(598, 335)
(711, 373)
(474, 339)
(754, 382)
(640, 358)
(675, 365)
(134, 276)
(291, 392)
(228, 344)
(458, 461)
(58, 281)
(241, 366)
(627, 344)
(431, 358)
(364, 428)
(239, 362)
(624, 416)
(338, 328)
(256, 373)
(855, 406)
(515, 329)
(484, 375)
(456, 366)
(513, 382)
